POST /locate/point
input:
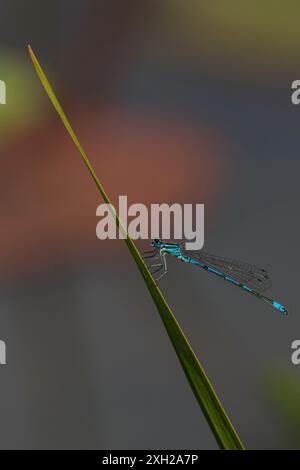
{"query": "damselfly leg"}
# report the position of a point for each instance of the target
(162, 265)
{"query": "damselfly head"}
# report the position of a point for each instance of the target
(156, 243)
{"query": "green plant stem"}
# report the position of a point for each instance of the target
(214, 412)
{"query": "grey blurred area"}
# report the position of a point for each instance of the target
(167, 115)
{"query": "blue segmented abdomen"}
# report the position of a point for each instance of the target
(233, 281)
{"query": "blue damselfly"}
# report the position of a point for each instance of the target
(247, 277)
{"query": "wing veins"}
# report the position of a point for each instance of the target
(251, 275)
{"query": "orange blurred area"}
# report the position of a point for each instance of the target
(49, 214)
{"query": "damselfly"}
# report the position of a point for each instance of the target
(248, 277)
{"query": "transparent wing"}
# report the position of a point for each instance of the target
(153, 260)
(252, 276)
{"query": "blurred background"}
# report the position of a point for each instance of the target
(174, 101)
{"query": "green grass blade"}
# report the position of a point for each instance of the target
(215, 414)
